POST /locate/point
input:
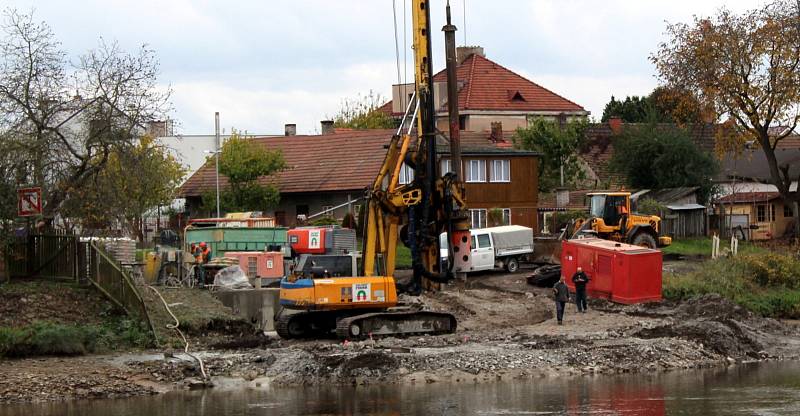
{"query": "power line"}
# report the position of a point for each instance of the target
(396, 46)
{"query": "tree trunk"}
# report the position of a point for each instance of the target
(796, 215)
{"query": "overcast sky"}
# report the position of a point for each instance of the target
(262, 64)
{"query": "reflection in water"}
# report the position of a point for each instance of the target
(772, 388)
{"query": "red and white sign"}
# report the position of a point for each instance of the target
(29, 202)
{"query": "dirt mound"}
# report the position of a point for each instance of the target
(25, 302)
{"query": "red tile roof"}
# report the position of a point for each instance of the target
(346, 160)
(749, 197)
(487, 85)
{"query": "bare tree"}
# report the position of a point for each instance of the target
(64, 119)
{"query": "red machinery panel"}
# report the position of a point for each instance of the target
(265, 264)
(620, 272)
(307, 240)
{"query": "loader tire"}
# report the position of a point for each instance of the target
(644, 239)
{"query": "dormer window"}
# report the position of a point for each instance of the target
(517, 96)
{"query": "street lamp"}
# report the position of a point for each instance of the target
(216, 163)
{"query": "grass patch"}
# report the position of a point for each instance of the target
(765, 283)
(49, 338)
(702, 247)
(403, 259)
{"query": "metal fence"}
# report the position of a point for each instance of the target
(113, 281)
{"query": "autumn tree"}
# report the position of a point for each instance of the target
(245, 162)
(746, 69)
(130, 186)
(62, 121)
(363, 112)
(559, 145)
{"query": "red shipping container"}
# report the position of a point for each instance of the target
(307, 240)
(265, 264)
(620, 272)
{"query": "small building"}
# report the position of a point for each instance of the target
(755, 215)
(682, 215)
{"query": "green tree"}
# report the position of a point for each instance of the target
(657, 156)
(663, 105)
(746, 70)
(244, 162)
(559, 147)
(363, 112)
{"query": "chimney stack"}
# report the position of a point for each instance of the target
(327, 127)
(290, 129)
(464, 52)
(497, 131)
(616, 124)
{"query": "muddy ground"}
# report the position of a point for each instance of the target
(506, 330)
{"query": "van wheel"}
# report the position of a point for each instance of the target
(512, 265)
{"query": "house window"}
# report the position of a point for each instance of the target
(787, 210)
(445, 166)
(501, 171)
(761, 213)
(406, 174)
(301, 210)
(475, 170)
(327, 210)
(506, 216)
(462, 122)
(478, 217)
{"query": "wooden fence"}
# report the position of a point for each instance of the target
(59, 256)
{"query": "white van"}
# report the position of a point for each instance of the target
(495, 247)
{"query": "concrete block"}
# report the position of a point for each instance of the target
(258, 306)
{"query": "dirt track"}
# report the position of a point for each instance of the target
(506, 330)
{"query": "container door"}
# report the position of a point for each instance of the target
(603, 281)
(482, 252)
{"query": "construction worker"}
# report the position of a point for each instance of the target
(200, 270)
(580, 279)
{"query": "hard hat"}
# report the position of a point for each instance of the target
(203, 244)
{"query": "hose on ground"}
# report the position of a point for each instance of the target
(175, 327)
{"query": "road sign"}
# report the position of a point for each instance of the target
(29, 202)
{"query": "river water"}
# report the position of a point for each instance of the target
(755, 389)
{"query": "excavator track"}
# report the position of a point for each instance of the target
(382, 324)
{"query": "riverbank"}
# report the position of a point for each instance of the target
(506, 331)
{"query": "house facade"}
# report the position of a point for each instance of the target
(755, 215)
(329, 174)
(488, 93)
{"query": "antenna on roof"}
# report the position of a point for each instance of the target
(464, 7)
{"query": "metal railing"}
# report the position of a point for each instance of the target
(114, 282)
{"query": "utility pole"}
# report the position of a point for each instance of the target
(216, 154)
(452, 95)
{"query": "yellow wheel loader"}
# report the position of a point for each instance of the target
(610, 218)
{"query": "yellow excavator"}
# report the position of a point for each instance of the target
(610, 218)
(318, 300)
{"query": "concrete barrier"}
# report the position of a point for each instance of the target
(258, 306)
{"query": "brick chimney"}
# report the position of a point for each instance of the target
(327, 127)
(289, 129)
(464, 52)
(616, 124)
(497, 131)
